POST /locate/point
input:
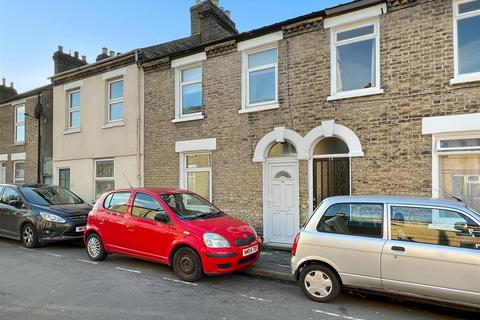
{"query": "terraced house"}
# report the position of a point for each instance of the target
(370, 97)
(25, 135)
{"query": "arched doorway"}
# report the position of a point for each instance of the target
(281, 185)
(331, 169)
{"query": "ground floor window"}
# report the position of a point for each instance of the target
(64, 177)
(104, 176)
(19, 172)
(198, 174)
(3, 172)
(460, 177)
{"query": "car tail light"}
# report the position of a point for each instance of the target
(295, 244)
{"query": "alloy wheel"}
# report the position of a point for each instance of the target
(27, 235)
(93, 247)
(318, 283)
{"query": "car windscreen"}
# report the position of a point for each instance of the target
(190, 206)
(47, 196)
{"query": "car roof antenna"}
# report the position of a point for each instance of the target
(131, 187)
(457, 198)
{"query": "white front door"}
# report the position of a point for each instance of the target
(3, 172)
(281, 220)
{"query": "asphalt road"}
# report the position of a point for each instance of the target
(60, 282)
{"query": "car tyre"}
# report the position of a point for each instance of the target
(29, 236)
(187, 265)
(95, 249)
(319, 283)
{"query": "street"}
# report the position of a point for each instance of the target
(60, 282)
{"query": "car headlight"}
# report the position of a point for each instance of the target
(213, 240)
(52, 217)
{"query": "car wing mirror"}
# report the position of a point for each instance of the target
(461, 226)
(162, 216)
(16, 203)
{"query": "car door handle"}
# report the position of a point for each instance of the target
(398, 248)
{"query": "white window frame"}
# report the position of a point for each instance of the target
(19, 124)
(179, 116)
(467, 77)
(70, 174)
(95, 178)
(71, 110)
(3, 171)
(259, 106)
(15, 179)
(184, 170)
(334, 95)
(437, 152)
(116, 100)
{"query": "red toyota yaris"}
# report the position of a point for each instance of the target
(170, 226)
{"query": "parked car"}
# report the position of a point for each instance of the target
(173, 227)
(417, 247)
(38, 214)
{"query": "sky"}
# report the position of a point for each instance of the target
(31, 30)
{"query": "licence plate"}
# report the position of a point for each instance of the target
(249, 251)
(80, 229)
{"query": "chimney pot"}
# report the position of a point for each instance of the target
(197, 2)
(60, 48)
(216, 2)
(105, 50)
(11, 84)
(112, 53)
(227, 13)
(75, 54)
(3, 81)
(84, 58)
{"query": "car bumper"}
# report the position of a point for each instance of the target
(294, 264)
(51, 232)
(220, 261)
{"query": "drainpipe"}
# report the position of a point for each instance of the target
(38, 115)
(139, 123)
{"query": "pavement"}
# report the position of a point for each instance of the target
(273, 264)
(58, 281)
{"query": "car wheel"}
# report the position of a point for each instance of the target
(187, 265)
(30, 236)
(95, 249)
(319, 283)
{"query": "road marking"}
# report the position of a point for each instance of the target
(255, 298)
(180, 281)
(86, 261)
(129, 270)
(54, 254)
(266, 253)
(336, 315)
(284, 266)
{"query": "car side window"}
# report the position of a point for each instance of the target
(117, 202)
(359, 219)
(434, 226)
(9, 194)
(145, 206)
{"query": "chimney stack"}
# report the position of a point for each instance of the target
(84, 58)
(63, 62)
(210, 21)
(103, 55)
(112, 53)
(7, 92)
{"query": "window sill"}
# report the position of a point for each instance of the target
(354, 94)
(188, 118)
(114, 124)
(18, 144)
(464, 79)
(260, 108)
(70, 131)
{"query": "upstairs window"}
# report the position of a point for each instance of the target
(74, 109)
(261, 72)
(20, 124)
(467, 40)
(115, 100)
(190, 86)
(355, 60)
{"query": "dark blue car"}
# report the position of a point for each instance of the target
(38, 214)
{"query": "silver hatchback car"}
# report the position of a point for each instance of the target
(418, 247)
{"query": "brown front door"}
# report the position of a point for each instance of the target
(331, 177)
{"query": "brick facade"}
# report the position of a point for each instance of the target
(416, 66)
(30, 146)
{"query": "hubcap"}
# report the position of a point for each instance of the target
(93, 247)
(187, 264)
(28, 236)
(318, 284)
